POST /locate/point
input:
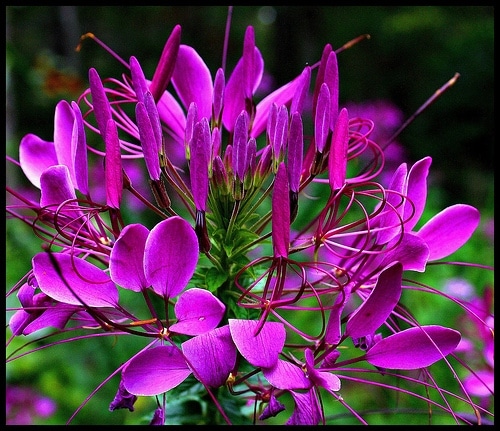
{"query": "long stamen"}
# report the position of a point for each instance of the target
(422, 108)
(102, 45)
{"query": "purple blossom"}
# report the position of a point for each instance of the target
(25, 406)
(228, 286)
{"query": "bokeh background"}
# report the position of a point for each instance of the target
(412, 51)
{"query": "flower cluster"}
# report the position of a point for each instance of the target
(265, 260)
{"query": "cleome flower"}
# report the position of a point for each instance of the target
(265, 265)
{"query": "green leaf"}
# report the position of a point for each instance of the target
(214, 279)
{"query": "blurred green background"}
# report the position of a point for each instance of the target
(413, 50)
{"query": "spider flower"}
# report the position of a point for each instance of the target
(265, 265)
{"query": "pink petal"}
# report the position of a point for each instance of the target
(281, 96)
(126, 261)
(281, 213)
(389, 218)
(332, 80)
(234, 97)
(379, 305)
(56, 316)
(197, 311)
(412, 252)
(301, 91)
(172, 115)
(417, 191)
(324, 379)
(36, 155)
(56, 186)
(285, 375)
(414, 348)
(138, 79)
(481, 383)
(448, 230)
(307, 410)
(63, 136)
(192, 81)
(295, 152)
(337, 160)
(155, 371)
(75, 281)
(148, 141)
(166, 65)
(198, 168)
(113, 164)
(322, 118)
(333, 332)
(170, 256)
(212, 356)
(239, 154)
(260, 350)
(100, 102)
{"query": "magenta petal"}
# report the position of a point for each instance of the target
(19, 321)
(412, 252)
(320, 77)
(56, 186)
(113, 162)
(126, 261)
(448, 230)
(155, 371)
(414, 348)
(417, 191)
(166, 65)
(100, 102)
(281, 213)
(138, 79)
(25, 295)
(154, 117)
(307, 409)
(212, 356)
(481, 383)
(240, 141)
(285, 375)
(63, 136)
(281, 96)
(260, 350)
(170, 256)
(272, 409)
(218, 96)
(234, 98)
(192, 81)
(331, 78)
(36, 155)
(172, 115)
(379, 305)
(333, 332)
(248, 62)
(75, 281)
(148, 141)
(390, 218)
(198, 168)
(280, 132)
(324, 379)
(337, 160)
(301, 92)
(56, 316)
(295, 152)
(197, 311)
(322, 118)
